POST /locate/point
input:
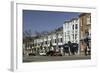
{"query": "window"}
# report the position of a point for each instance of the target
(61, 39)
(55, 40)
(76, 26)
(45, 42)
(88, 20)
(73, 26)
(75, 36)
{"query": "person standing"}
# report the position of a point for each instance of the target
(61, 51)
(85, 49)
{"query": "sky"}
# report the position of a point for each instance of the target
(38, 21)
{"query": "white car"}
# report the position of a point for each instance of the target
(42, 53)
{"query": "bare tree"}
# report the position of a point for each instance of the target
(27, 39)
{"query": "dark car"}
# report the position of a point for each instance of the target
(50, 53)
(53, 53)
(57, 54)
(32, 54)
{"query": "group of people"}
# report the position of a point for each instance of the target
(66, 49)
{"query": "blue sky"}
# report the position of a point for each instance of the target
(45, 20)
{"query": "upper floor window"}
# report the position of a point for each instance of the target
(55, 40)
(73, 26)
(75, 36)
(88, 20)
(45, 42)
(76, 26)
(61, 40)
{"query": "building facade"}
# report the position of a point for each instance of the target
(52, 39)
(85, 31)
(71, 31)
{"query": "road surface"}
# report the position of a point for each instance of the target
(54, 58)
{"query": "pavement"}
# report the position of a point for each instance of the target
(54, 58)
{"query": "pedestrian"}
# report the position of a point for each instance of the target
(61, 50)
(85, 49)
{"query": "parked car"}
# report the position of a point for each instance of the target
(53, 53)
(32, 54)
(50, 53)
(57, 54)
(42, 54)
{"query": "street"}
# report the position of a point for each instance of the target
(54, 58)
